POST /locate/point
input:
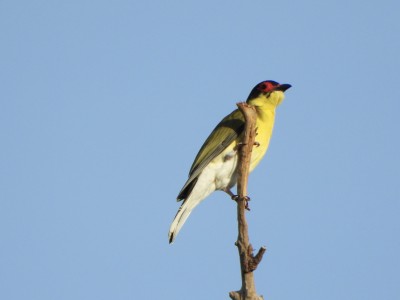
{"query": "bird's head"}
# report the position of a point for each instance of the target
(267, 93)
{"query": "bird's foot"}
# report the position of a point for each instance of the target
(246, 200)
(236, 198)
(257, 144)
(246, 203)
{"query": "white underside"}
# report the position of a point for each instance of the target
(219, 174)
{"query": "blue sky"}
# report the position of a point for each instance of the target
(104, 105)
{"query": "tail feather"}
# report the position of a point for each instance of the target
(180, 219)
(202, 189)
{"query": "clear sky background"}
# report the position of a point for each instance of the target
(104, 105)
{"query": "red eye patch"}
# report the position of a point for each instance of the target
(265, 87)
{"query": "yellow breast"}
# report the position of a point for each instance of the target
(265, 124)
(265, 106)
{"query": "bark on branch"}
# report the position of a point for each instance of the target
(248, 262)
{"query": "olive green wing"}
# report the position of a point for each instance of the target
(220, 138)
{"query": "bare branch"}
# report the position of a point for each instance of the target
(248, 262)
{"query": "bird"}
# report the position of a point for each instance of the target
(215, 166)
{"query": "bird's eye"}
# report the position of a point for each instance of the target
(262, 87)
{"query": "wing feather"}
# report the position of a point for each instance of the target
(221, 137)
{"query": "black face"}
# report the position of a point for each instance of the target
(267, 87)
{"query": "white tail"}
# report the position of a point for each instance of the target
(201, 190)
(180, 219)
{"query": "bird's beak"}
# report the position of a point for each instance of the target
(282, 87)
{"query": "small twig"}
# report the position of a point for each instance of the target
(248, 262)
(254, 260)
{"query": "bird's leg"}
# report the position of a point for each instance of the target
(236, 198)
(229, 192)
